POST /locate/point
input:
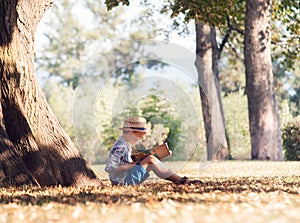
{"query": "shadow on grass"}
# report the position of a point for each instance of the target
(149, 192)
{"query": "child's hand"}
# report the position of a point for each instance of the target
(152, 151)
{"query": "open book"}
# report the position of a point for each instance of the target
(161, 152)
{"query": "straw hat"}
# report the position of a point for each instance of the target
(135, 124)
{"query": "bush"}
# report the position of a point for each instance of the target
(291, 140)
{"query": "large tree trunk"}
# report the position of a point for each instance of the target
(263, 115)
(12, 169)
(30, 132)
(212, 109)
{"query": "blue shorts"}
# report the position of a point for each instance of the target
(137, 175)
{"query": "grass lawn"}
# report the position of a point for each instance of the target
(232, 191)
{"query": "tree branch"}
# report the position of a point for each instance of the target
(238, 30)
(225, 40)
(234, 51)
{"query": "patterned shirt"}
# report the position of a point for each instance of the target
(119, 155)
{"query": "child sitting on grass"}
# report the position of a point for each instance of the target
(120, 166)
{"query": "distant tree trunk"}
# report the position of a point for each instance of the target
(212, 109)
(40, 150)
(263, 114)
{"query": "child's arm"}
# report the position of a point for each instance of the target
(114, 160)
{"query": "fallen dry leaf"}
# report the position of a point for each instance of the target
(229, 198)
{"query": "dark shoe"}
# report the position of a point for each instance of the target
(186, 180)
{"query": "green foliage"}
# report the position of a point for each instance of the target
(114, 3)
(291, 140)
(286, 51)
(231, 71)
(285, 113)
(287, 85)
(286, 28)
(210, 12)
(67, 44)
(159, 111)
(237, 124)
(61, 100)
(93, 44)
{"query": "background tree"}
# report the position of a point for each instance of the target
(212, 108)
(33, 138)
(262, 105)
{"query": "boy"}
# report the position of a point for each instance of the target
(121, 168)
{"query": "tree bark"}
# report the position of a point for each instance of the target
(263, 114)
(12, 169)
(29, 129)
(212, 109)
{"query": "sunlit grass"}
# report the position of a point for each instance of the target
(226, 168)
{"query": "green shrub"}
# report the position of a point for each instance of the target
(291, 140)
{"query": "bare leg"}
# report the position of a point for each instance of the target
(152, 163)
